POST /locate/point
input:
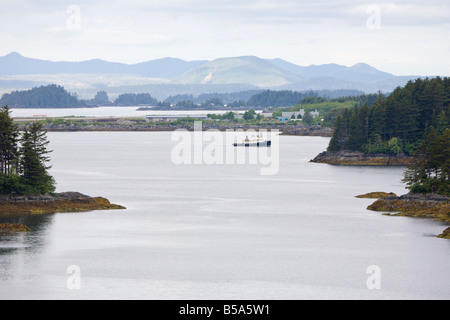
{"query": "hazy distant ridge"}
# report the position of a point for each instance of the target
(171, 76)
(167, 68)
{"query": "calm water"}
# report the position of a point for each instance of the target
(220, 232)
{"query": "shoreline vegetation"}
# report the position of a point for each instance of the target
(431, 206)
(410, 128)
(26, 187)
(394, 126)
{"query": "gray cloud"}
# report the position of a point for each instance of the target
(301, 31)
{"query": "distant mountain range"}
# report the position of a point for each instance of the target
(171, 76)
(16, 64)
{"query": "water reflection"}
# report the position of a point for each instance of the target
(30, 241)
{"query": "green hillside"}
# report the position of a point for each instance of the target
(241, 70)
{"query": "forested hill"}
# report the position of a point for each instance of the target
(51, 96)
(397, 123)
(283, 98)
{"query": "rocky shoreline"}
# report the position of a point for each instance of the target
(357, 158)
(431, 206)
(13, 227)
(55, 203)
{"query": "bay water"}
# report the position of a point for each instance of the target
(220, 231)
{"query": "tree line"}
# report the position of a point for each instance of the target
(430, 170)
(51, 96)
(397, 123)
(54, 96)
(23, 158)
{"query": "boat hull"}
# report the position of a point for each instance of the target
(254, 144)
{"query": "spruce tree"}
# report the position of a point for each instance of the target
(34, 159)
(430, 170)
(308, 118)
(8, 142)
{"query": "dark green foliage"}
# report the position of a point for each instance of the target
(365, 99)
(33, 160)
(430, 170)
(24, 169)
(396, 123)
(308, 118)
(227, 116)
(250, 115)
(51, 96)
(132, 99)
(13, 184)
(8, 142)
(188, 104)
(237, 104)
(101, 98)
(212, 103)
(285, 98)
(178, 98)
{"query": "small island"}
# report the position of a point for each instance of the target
(13, 206)
(26, 187)
(431, 206)
(427, 178)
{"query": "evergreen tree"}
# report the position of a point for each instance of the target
(250, 115)
(336, 142)
(430, 171)
(308, 118)
(51, 96)
(8, 142)
(398, 122)
(101, 98)
(34, 159)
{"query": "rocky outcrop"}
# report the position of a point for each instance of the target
(13, 227)
(416, 205)
(376, 195)
(445, 234)
(357, 158)
(62, 202)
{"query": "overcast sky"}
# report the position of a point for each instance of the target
(402, 37)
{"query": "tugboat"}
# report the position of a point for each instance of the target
(257, 141)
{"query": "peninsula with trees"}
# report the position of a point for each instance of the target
(411, 127)
(390, 131)
(427, 179)
(26, 187)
